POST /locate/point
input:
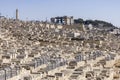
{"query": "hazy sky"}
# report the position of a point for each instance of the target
(108, 10)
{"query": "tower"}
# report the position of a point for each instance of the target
(16, 14)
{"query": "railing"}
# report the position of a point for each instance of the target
(8, 72)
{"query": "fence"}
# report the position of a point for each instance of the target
(8, 72)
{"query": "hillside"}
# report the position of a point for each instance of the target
(96, 23)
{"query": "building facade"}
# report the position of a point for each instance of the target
(65, 20)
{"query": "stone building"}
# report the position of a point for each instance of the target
(65, 20)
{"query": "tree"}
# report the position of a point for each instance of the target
(79, 20)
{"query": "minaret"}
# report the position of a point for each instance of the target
(16, 14)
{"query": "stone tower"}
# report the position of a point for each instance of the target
(16, 14)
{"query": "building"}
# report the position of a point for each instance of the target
(16, 14)
(65, 20)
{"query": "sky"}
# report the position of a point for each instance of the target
(106, 10)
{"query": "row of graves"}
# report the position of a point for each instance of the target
(88, 72)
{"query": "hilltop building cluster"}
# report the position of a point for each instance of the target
(65, 20)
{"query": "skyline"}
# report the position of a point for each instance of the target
(105, 10)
